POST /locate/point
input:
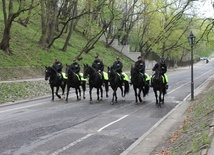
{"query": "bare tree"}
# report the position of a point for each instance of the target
(8, 21)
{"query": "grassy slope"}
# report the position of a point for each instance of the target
(27, 52)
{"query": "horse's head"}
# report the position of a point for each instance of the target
(48, 72)
(111, 72)
(86, 70)
(158, 75)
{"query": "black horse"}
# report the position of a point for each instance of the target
(74, 81)
(95, 81)
(158, 85)
(117, 82)
(55, 81)
(139, 83)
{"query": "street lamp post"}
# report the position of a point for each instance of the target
(191, 39)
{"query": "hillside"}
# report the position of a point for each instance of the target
(27, 52)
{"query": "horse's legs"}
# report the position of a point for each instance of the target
(63, 88)
(90, 89)
(52, 90)
(76, 91)
(135, 92)
(156, 96)
(101, 91)
(113, 96)
(106, 88)
(159, 103)
(163, 96)
(57, 89)
(68, 89)
(116, 95)
(83, 88)
(98, 97)
(139, 92)
(79, 93)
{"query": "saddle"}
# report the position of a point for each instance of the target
(163, 77)
(62, 76)
(146, 76)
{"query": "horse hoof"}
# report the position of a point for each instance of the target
(136, 103)
(90, 102)
(52, 100)
(107, 96)
(112, 103)
(84, 97)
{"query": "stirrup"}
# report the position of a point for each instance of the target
(166, 86)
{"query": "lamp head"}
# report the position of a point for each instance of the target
(191, 38)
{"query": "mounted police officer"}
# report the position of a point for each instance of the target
(117, 66)
(58, 67)
(140, 64)
(161, 65)
(75, 67)
(98, 65)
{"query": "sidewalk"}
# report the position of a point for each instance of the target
(150, 140)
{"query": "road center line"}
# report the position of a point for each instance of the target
(71, 144)
(112, 123)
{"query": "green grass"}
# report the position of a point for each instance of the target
(27, 52)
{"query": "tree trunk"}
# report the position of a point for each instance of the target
(48, 16)
(72, 25)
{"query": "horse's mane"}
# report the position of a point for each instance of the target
(134, 71)
(86, 65)
(52, 69)
(112, 70)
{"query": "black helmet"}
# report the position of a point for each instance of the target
(96, 56)
(139, 57)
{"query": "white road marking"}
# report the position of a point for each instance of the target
(71, 144)
(112, 123)
(85, 137)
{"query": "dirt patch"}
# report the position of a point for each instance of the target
(24, 72)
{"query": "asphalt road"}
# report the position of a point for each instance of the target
(40, 127)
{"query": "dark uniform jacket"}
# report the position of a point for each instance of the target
(140, 65)
(117, 66)
(98, 65)
(75, 67)
(58, 66)
(162, 66)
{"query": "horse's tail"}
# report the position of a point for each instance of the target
(147, 89)
(126, 91)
